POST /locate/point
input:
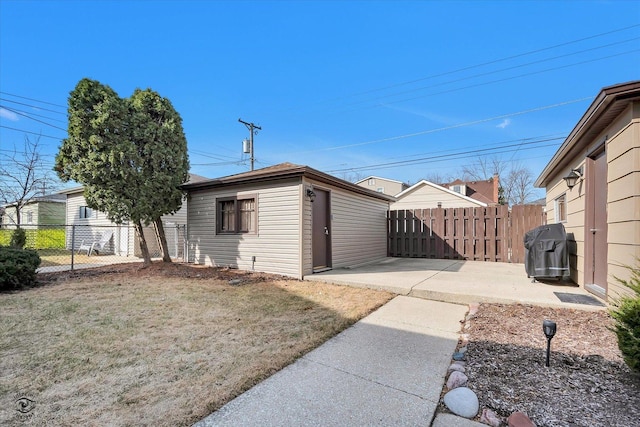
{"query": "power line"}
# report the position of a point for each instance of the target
(505, 69)
(531, 52)
(33, 99)
(32, 106)
(37, 115)
(33, 133)
(497, 80)
(442, 158)
(459, 125)
(497, 145)
(29, 117)
(206, 154)
(238, 163)
(470, 67)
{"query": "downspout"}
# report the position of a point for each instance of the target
(301, 242)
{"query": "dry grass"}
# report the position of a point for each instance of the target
(158, 347)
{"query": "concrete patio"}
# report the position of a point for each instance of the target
(456, 281)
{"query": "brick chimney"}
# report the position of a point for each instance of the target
(496, 185)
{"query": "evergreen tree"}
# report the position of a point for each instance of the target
(130, 154)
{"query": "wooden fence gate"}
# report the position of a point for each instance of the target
(481, 234)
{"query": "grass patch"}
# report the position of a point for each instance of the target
(152, 348)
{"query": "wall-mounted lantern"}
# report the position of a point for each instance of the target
(311, 194)
(573, 177)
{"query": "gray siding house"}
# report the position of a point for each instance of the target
(286, 219)
(91, 224)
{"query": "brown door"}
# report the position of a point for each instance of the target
(596, 225)
(321, 237)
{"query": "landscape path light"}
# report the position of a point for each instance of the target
(549, 328)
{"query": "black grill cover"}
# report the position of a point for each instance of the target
(546, 252)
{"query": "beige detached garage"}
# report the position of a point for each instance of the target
(286, 219)
(593, 188)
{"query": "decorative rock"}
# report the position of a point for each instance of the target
(462, 401)
(456, 379)
(464, 339)
(489, 417)
(518, 419)
(458, 356)
(457, 366)
(233, 282)
(473, 308)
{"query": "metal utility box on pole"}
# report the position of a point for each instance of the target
(252, 129)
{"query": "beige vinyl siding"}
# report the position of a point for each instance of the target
(623, 201)
(623, 198)
(425, 196)
(276, 243)
(388, 186)
(574, 225)
(307, 233)
(358, 229)
(30, 210)
(9, 219)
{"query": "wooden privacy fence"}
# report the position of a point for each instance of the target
(481, 234)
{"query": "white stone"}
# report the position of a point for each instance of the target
(463, 402)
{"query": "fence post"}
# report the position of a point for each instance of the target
(73, 241)
(185, 252)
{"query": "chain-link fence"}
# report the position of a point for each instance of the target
(69, 247)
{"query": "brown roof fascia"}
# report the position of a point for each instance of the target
(590, 120)
(284, 171)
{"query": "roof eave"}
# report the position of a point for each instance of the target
(299, 171)
(607, 97)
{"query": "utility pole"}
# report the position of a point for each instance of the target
(251, 128)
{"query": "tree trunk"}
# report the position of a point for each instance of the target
(162, 239)
(143, 244)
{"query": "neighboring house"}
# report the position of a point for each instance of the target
(425, 194)
(286, 219)
(38, 211)
(92, 223)
(601, 211)
(387, 186)
(482, 191)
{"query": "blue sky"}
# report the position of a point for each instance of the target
(403, 90)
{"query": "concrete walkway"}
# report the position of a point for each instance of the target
(388, 369)
(455, 281)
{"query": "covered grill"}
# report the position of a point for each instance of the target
(546, 252)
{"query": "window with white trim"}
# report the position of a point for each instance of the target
(561, 208)
(85, 212)
(236, 215)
